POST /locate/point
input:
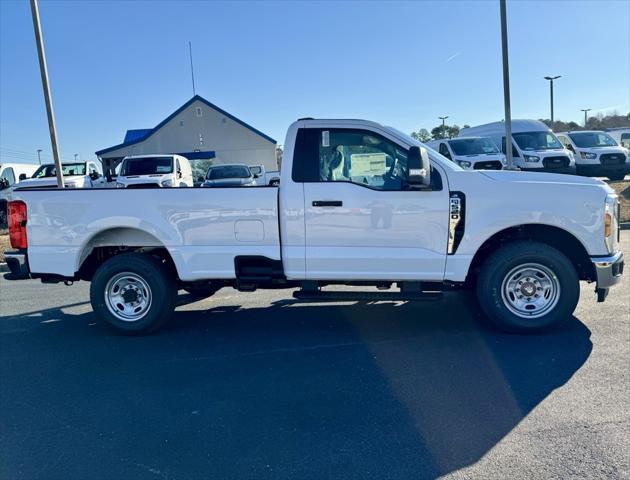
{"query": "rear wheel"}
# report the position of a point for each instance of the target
(527, 286)
(134, 293)
(616, 176)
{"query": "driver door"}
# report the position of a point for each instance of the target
(362, 222)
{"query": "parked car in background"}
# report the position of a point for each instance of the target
(263, 177)
(154, 171)
(76, 175)
(229, 175)
(359, 203)
(535, 147)
(621, 136)
(597, 154)
(12, 174)
(471, 153)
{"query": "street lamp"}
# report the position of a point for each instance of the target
(585, 110)
(551, 79)
(39, 158)
(443, 126)
(75, 156)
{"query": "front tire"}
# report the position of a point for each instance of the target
(134, 293)
(527, 286)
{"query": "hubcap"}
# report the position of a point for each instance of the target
(530, 290)
(128, 296)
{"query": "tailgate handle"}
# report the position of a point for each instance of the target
(327, 203)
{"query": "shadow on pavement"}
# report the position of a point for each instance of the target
(289, 391)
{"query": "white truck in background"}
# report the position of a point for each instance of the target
(263, 177)
(597, 154)
(475, 153)
(358, 204)
(535, 147)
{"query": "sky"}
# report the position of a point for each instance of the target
(118, 65)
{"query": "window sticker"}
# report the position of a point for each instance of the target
(163, 169)
(368, 164)
(325, 138)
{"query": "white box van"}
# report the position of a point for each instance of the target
(597, 154)
(535, 148)
(154, 171)
(471, 153)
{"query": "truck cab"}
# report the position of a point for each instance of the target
(470, 153)
(597, 154)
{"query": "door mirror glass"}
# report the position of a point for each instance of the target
(419, 168)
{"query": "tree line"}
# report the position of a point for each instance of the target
(596, 122)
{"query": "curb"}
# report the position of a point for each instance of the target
(4, 267)
(624, 226)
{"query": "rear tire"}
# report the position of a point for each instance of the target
(134, 293)
(527, 287)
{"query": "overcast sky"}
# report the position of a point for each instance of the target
(121, 65)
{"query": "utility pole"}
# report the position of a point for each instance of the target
(551, 79)
(443, 126)
(39, 158)
(585, 110)
(47, 97)
(506, 88)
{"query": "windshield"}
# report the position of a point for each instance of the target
(473, 146)
(592, 139)
(49, 171)
(529, 141)
(432, 153)
(147, 166)
(228, 171)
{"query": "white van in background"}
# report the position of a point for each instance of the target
(597, 154)
(154, 171)
(535, 148)
(471, 153)
(621, 135)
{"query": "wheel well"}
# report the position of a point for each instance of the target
(100, 254)
(552, 236)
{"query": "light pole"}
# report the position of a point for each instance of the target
(585, 110)
(506, 87)
(551, 79)
(75, 156)
(39, 158)
(443, 126)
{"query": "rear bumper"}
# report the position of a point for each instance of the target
(18, 264)
(608, 271)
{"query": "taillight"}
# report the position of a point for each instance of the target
(16, 211)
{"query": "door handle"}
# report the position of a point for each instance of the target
(327, 203)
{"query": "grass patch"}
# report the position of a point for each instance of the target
(4, 243)
(622, 188)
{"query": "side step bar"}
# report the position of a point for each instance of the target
(317, 295)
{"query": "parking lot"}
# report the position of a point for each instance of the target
(258, 386)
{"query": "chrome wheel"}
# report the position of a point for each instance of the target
(128, 296)
(530, 290)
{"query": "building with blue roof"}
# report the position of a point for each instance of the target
(198, 130)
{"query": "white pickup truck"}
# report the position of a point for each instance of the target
(358, 204)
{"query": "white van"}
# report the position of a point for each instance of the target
(621, 135)
(471, 153)
(597, 154)
(154, 171)
(535, 148)
(75, 175)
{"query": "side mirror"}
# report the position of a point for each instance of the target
(570, 147)
(4, 183)
(201, 179)
(22, 176)
(94, 175)
(179, 174)
(256, 175)
(419, 167)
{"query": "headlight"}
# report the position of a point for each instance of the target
(531, 158)
(120, 185)
(588, 155)
(167, 183)
(464, 163)
(611, 219)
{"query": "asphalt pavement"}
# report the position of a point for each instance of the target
(259, 386)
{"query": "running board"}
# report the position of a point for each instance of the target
(332, 296)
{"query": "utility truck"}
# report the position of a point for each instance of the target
(358, 204)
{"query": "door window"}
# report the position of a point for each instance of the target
(361, 157)
(8, 175)
(444, 150)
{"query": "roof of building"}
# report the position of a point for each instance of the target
(136, 136)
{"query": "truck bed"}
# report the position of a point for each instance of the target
(202, 228)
